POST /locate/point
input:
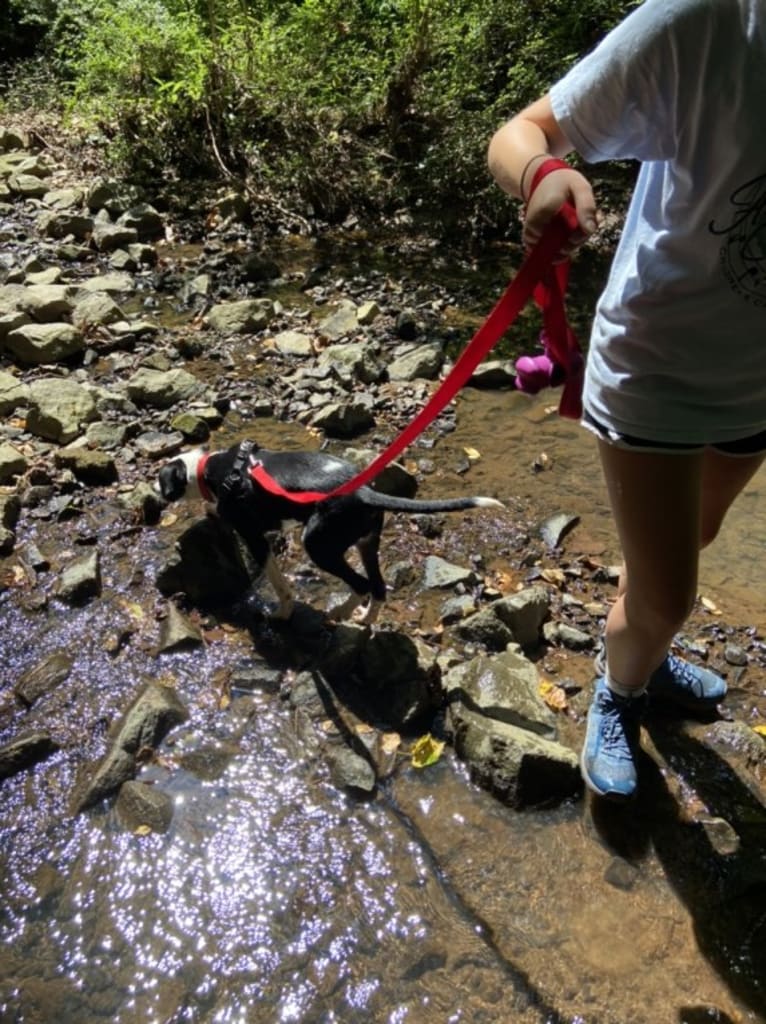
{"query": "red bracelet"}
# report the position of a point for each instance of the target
(545, 168)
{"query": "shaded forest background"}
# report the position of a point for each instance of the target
(332, 106)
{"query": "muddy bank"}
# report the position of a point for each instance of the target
(125, 341)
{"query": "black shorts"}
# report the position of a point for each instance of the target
(755, 444)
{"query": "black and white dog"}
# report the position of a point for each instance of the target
(331, 526)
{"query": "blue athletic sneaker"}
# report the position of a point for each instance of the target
(608, 761)
(687, 685)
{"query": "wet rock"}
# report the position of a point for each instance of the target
(81, 579)
(722, 837)
(246, 316)
(457, 608)
(206, 564)
(150, 718)
(43, 677)
(401, 679)
(163, 388)
(346, 419)
(519, 767)
(10, 509)
(350, 770)
(141, 806)
(503, 687)
(89, 466)
(517, 618)
(13, 393)
(621, 874)
(423, 362)
(733, 654)
(353, 362)
(256, 677)
(59, 408)
(441, 574)
(12, 463)
(344, 649)
(25, 751)
(554, 529)
(44, 343)
(524, 614)
(177, 632)
(738, 737)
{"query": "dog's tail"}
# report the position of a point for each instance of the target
(389, 503)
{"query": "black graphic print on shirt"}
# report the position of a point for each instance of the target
(743, 254)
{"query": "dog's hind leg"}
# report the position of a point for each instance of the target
(327, 549)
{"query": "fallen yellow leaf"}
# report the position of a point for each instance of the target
(553, 695)
(473, 454)
(142, 830)
(426, 751)
(169, 519)
(760, 729)
(710, 606)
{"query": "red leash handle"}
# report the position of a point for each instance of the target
(537, 265)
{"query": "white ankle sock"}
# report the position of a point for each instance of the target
(623, 691)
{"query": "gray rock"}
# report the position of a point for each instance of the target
(108, 237)
(25, 751)
(347, 419)
(156, 445)
(141, 806)
(81, 579)
(503, 687)
(43, 677)
(38, 344)
(144, 502)
(27, 185)
(368, 313)
(163, 388)
(484, 628)
(177, 632)
(441, 574)
(10, 508)
(58, 409)
(145, 724)
(117, 282)
(423, 362)
(13, 393)
(569, 636)
(355, 361)
(64, 224)
(194, 428)
(47, 303)
(206, 564)
(340, 323)
(89, 466)
(246, 316)
(524, 614)
(12, 463)
(519, 767)
(64, 198)
(493, 374)
(96, 308)
(38, 278)
(350, 770)
(293, 343)
(145, 221)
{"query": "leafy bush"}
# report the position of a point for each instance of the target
(341, 104)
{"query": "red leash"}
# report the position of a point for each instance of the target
(538, 275)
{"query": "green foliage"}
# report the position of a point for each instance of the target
(341, 104)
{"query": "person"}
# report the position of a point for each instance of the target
(675, 384)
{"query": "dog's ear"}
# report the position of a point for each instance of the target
(173, 480)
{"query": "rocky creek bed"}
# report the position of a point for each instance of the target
(128, 335)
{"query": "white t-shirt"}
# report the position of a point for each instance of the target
(678, 347)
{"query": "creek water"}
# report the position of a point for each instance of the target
(274, 897)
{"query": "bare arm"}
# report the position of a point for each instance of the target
(518, 149)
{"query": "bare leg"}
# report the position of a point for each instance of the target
(661, 545)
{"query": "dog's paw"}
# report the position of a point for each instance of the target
(346, 609)
(368, 614)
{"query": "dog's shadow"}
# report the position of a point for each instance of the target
(722, 884)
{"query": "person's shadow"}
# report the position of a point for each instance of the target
(723, 888)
